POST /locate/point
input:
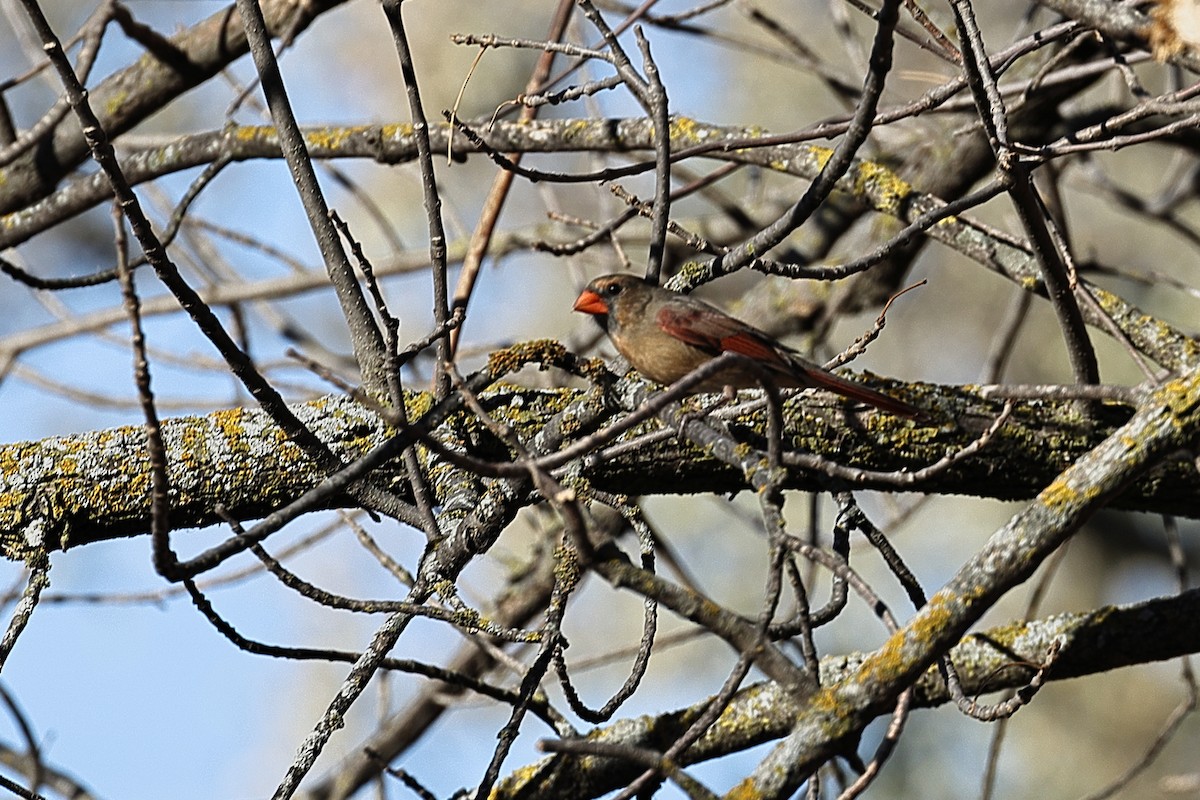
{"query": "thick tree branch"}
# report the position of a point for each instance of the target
(992, 660)
(173, 66)
(870, 183)
(85, 487)
(1167, 423)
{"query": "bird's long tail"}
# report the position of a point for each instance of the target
(824, 379)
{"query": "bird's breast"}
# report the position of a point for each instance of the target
(657, 355)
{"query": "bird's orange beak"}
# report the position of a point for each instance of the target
(590, 303)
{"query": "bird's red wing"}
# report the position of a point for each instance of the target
(715, 332)
(708, 329)
(687, 324)
(748, 343)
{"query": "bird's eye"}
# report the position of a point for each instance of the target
(613, 289)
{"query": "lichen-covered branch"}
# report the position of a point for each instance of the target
(93, 486)
(1168, 422)
(169, 68)
(988, 661)
(868, 182)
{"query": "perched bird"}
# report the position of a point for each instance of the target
(665, 335)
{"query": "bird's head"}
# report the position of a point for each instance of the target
(611, 295)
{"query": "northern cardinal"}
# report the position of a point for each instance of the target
(665, 335)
